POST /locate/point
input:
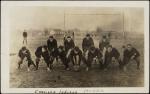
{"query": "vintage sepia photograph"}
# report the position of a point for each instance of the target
(75, 47)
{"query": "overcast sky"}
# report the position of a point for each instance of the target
(83, 18)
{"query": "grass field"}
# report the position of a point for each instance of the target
(61, 78)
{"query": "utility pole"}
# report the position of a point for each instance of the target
(64, 24)
(124, 34)
(64, 20)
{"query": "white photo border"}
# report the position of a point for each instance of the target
(5, 46)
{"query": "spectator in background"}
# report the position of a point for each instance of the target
(25, 37)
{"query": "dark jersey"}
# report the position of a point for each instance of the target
(38, 52)
(46, 56)
(129, 54)
(103, 44)
(87, 43)
(24, 34)
(28, 55)
(73, 55)
(69, 45)
(21, 54)
(52, 44)
(113, 53)
(61, 55)
(97, 53)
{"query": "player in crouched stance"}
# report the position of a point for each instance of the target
(94, 55)
(25, 53)
(111, 55)
(42, 51)
(130, 53)
(60, 53)
(76, 56)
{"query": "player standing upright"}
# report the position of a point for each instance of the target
(25, 36)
